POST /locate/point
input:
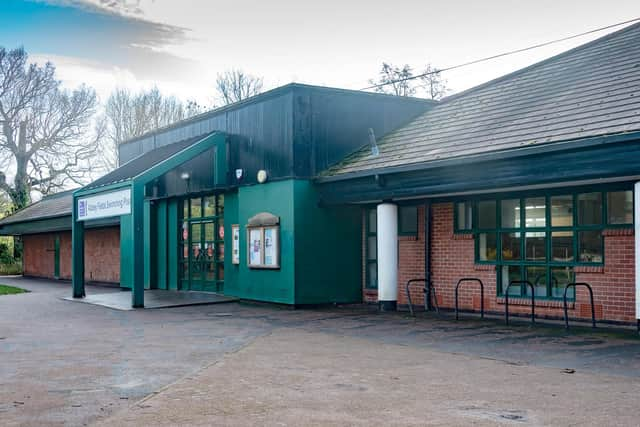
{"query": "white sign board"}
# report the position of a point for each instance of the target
(104, 205)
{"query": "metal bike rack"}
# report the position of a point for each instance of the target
(471, 279)
(533, 300)
(564, 300)
(432, 291)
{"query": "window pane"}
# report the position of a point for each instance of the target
(511, 246)
(510, 213)
(562, 246)
(196, 207)
(535, 211)
(185, 209)
(536, 246)
(209, 234)
(210, 206)
(562, 211)
(408, 220)
(195, 232)
(196, 252)
(561, 277)
(372, 276)
(373, 221)
(220, 205)
(590, 246)
(589, 209)
(509, 274)
(537, 275)
(487, 246)
(185, 231)
(210, 271)
(620, 207)
(464, 211)
(487, 214)
(372, 247)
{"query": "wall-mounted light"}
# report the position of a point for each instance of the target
(185, 176)
(262, 176)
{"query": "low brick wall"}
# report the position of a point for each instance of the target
(452, 257)
(102, 255)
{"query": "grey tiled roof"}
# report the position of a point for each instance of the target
(49, 207)
(143, 162)
(589, 91)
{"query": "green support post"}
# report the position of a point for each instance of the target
(77, 253)
(138, 264)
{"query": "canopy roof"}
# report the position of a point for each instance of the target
(143, 162)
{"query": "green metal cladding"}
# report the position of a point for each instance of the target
(319, 248)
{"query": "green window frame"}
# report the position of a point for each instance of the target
(204, 209)
(407, 220)
(463, 217)
(525, 245)
(371, 248)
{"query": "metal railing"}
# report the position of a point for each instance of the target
(471, 279)
(533, 299)
(566, 309)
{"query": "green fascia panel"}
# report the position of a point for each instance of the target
(328, 266)
(320, 249)
(260, 284)
(231, 271)
(104, 189)
(61, 223)
(126, 236)
(148, 244)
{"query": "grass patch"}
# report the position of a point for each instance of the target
(9, 290)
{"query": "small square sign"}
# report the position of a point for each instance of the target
(82, 208)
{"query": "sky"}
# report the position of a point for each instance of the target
(181, 46)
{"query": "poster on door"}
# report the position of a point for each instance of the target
(255, 247)
(270, 247)
(235, 245)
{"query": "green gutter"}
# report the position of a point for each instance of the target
(493, 155)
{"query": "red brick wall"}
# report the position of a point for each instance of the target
(102, 254)
(38, 255)
(452, 257)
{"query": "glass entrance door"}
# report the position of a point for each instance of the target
(202, 245)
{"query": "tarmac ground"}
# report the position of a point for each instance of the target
(65, 363)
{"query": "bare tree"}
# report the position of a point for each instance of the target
(46, 137)
(398, 81)
(129, 115)
(236, 85)
(433, 84)
(392, 80)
